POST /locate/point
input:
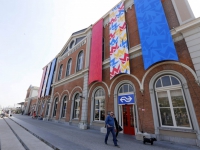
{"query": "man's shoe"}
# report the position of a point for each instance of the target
(106, 143)
(117, 146)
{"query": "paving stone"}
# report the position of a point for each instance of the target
(69, 137)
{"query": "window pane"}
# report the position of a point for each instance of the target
(125, 88)
(63, 109)
(102, 117)
(174, 81)
(163, 99)
(158, 83)
(130, 88)
(166, 117)
(75, 105)
(96, 115)
(102, 104)
(76, 113)
(96, 104)
(166, 81)
(177, 98)
(101, 92)
(181, 117)
(120, 90)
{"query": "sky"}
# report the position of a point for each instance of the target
(32, 33)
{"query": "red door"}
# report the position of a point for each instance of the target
(128, 120)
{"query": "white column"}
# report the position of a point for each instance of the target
(83, 123)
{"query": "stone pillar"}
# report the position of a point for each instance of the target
(83, 124)
(50, 103)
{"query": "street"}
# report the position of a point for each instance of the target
(65, 137)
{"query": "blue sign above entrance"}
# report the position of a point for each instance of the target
(126, 99)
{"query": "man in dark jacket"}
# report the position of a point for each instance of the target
(110, 128)
(116, 126)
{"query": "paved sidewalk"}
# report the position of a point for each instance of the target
(72, 138)
(8, 140)
(30, 141)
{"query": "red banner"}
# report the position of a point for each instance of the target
(95, 68)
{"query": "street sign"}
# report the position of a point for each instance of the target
(126, 99)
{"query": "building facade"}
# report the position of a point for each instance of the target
(144, 66)
(31, 99)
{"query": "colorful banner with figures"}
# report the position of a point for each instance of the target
(119, 57)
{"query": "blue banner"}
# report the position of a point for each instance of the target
(155, 37)
(126, 99)
(50, 79)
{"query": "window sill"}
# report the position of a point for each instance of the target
(100, 122)
(177, 129)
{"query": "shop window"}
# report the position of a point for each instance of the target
(69, 64)
(99, 105)
(55, 107)
(80, 61)
(171, 103)
(76, 107)
(60, 72)
(64, 105)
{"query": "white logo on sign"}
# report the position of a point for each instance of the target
(126, 99)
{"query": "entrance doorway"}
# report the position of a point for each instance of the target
(128, 119)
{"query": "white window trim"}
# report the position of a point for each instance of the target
(79, 67)
(171, 107)
(70, 60)
(98, 98)
(54, 107)
(78, 100)
(187, 96)
(93, 103)
(60, 72)
(62, 107)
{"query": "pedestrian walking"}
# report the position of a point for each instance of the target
(110, 128)
(116, 126)
(34, 114)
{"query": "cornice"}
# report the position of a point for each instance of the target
(81, 43)
(185, 27)
(70, 78)
(74, 36)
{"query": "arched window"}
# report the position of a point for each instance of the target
(69, 64)
(55, 107)
(126, 88)
(64, 105)
(72, 44)
(76, 107)
(99, 105)
(60, 72)
(171, 102)
(80, 61)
